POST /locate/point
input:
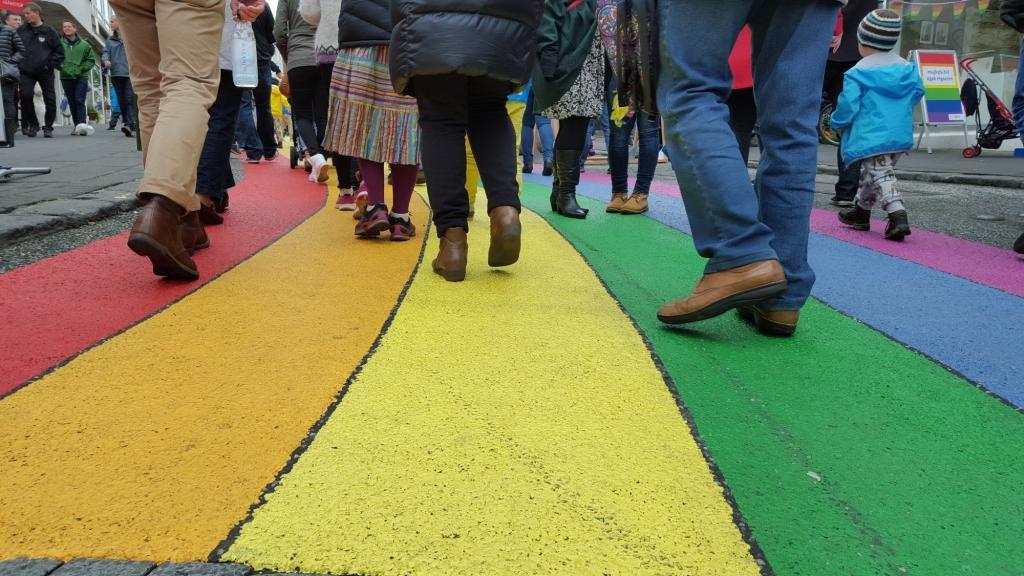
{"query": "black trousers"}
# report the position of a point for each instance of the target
(8, 88)
(264, 117)
(213, 175)
(125, 99)
(309, 106)
(572, 133)
(28, 93)
(849, 176)
(451, 107)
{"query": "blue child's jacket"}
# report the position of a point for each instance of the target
(876, 109)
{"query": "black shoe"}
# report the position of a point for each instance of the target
(841, 202)
(527, 168)
(567, 168)
(898, 227)
(857, 218)
(1018, 246)
(47, 133)
(31, 132)
(549, 168)
(112, 127)
(127, 132)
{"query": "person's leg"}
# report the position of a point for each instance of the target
(492, 138)
(264, 119)
(304, 81)
(10, 111)
(70, 87)
(245, 128)
(547, 138)
(29, 120)
(213, 175)
(569, 146)
(588, 144)
(526, 142)
(849, 175)
(695, 84)
(375, 219)
(516, 113)
(472, 178)
(618, 155)
(742, 118)
(46, 84)
(790, 36)
(649, 129)
(1018, 96)
(81, 94)
(321, 97)
(173, 53)
(128, 106)
(444, 122)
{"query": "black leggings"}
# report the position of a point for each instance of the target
(309, 106)
(343, 165)
(572, 133)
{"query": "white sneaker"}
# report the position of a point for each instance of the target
(662, 158)
(317, 162)
(89, 130)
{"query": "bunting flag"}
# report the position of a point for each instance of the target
(915, 10)
(897, 6)
(983, 5)
(937, 10)
(959, 8)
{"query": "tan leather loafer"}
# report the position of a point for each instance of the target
(156, 235)
(719, 292)
(637, 204)
(618, 201)
(451, 259)
(506, 237)
(771, 322)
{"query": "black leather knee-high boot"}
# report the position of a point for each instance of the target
(567, 174)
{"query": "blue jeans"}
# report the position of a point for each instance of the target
(245, 132)
(618, 152)
(75, 91)
(1018, 96)
(547, 135)
(213, 175)
(735, 223)
(605, 130)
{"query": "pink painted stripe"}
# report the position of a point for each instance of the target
(981, 263)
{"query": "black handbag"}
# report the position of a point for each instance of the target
(9, 71)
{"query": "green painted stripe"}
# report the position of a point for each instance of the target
(952, 94)
(920, 472)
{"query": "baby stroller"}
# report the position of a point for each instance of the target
(1000, 124)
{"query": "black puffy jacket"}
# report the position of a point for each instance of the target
(1012, 13)
(364, 23)
(492, 38)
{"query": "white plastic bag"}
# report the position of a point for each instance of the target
(243, 56)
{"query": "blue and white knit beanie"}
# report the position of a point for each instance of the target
(880, 30)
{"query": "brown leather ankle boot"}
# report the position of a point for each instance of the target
(193, 234)
(506, 233)
(618, 201)
(156, 235)
(451, 259)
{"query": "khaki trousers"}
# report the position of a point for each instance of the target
(173, 54)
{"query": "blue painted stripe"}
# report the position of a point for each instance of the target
(973, 329)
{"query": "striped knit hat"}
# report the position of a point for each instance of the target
(880, 30)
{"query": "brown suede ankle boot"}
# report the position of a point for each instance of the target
(618, 201)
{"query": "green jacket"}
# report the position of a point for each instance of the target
(564, 40)
(79, 59)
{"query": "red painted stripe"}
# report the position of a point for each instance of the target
(55, 308)
(943, 59)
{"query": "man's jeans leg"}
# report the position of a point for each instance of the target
(695, 83)
(213, 175)
(75, 90)
(526, 140)
(1018, 96)
(547, 137)
(264, 117)
(649, 129)
(790, 39)
(125, 96)
(245, 131)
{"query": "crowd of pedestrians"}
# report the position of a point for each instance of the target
(380, 88)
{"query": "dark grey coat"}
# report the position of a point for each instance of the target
(113, 52)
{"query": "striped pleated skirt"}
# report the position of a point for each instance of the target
(367, 119)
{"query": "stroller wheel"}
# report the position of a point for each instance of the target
(969, 152)
(293, 157)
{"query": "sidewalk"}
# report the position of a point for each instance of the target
(92, 177)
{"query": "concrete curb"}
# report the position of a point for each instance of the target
(103, 567)
(46, 217)
(941, 177)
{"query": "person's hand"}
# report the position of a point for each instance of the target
(107, 64)
(836, 42)
(247, 10)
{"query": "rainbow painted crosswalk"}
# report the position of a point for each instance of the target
(325, 405)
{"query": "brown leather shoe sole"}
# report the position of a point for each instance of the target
(719, 307)
(164, 263)
(765, 325)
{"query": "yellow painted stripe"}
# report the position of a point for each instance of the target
(511, 424)
(155, 444)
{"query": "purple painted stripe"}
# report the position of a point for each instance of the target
(981, 263)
